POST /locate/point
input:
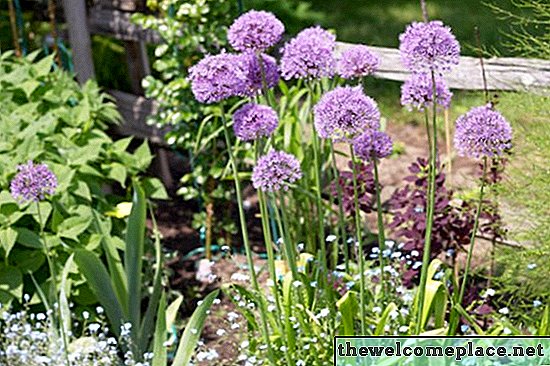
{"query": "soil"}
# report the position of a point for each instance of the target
(175, 217)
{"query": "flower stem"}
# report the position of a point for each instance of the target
(359, 238)
(454, 319)
(53, 296)
(426, 257)
(244, 232)
(268, 241)
(341, 217)
(381, 233)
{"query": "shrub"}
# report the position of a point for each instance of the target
(47, 118)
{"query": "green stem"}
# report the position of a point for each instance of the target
(268, 241)
(287, 244)
(53, 296)
(429, 212)
(318, 199)
(359, 235)
(341, 217)
(381, 233)
(454, 322)
(244, 232)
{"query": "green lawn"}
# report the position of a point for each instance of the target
(379, 23)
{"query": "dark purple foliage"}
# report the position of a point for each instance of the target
(366, 188)
(453, 220)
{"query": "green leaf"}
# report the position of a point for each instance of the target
(27, 260)
(172, 311)
(28, 238)
(133, 259)
(114, 262)
(154, 189)
(118, 173)
(348, 308)
(99, 281)
(11, 284)
(65, 289)
(384, 319)
(82, 190)
(193, 331)
(43, 67)
(143, 156)
(74, 226)
(544, 327)
(8, 237)
(148, 320)
(159, 349)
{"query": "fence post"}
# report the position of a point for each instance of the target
(79, 37)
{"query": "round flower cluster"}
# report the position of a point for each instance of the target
(309, 55)
(258, 73)
(253, 121)
(33, 182)
(426, 47)
(417, 91)
(276, 171)
(482, 132)
(255, 31)
(344, 113)
(356, 62)
(219, 77)
(372, 144)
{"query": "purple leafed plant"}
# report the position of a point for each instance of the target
(453, 220)
(365, 187)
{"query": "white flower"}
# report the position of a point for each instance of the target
(537, 303)
(504, 311)
(331, 238)
(221, 332)
(323, 313)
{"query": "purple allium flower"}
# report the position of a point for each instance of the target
(429, 46)
(33, 182)
(253, 121)
(417, 91)
(482, 132)
(344, 113)
(254, 71)
(309, 55)
(255, 31)
(372, 144)
(357, 61)
(219, 77)
(275, 171)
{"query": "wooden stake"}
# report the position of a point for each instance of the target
(15, 34)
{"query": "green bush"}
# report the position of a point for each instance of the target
(48, 118)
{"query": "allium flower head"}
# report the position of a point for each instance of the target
(357, 61)
(344, 113)
(309, 55)
(276, 171)
(255, 78)
(219, 77)
(417, 91)
(253, 121)
(482, 132)
(255, 31)
(429, 46)
(33, 182)
(372, 144)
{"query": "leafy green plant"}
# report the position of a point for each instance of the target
(46, 117)
(120, 290)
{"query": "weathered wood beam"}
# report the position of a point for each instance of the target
(504, 73)
(134, 111)
(79, 37)
(118, 24)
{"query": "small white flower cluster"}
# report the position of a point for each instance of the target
(29, 339)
